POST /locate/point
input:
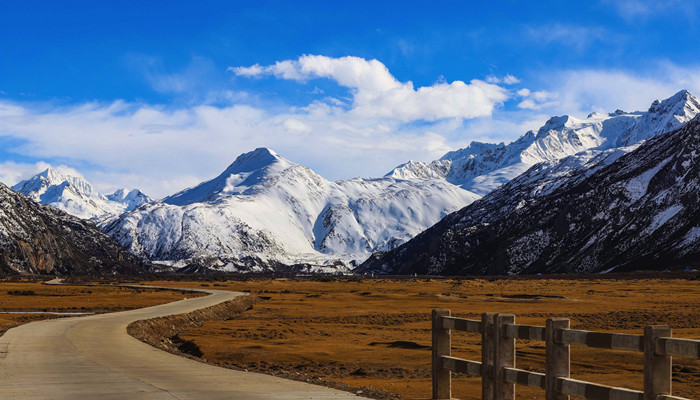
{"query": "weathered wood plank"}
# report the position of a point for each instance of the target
(525, 332)
(499, 375)
(523, 377)
(442, 346)
(557, 358)
(678, 347)
(594, 391)
(462, 366)
(602, 340)
(487, 354)
(461, 324)
(657, 367)
(504, 357)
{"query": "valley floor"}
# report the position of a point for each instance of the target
(376, 333)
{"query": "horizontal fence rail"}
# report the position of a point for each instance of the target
(678, 347)
(497, 367)
(460, 324)
(527, 378)
(613, 341)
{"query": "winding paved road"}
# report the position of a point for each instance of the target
(92, 357)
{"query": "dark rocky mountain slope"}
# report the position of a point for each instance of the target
(40, 239)
(622, 209)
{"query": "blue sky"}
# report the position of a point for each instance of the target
(162, 94)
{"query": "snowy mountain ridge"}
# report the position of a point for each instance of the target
(482, 167)
(39, 239)
(264, 210)
(76, 196)
(623, 209)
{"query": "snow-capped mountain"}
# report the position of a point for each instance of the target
(629, 208)
(130, 199)
(482, 167)
(76, 196)
(40, 239)
(264, 210)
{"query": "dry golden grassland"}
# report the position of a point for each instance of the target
(29, 295)
(376, 333)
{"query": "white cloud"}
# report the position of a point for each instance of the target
(586, 90)
(12, 172)
(376, 93)
(199, 74)
(295, 126)
(573, 36)
(164, 149)
(634, 10)
(528, 104)
(161, 150)
(508, 79)
(252, 71)
(536, 100)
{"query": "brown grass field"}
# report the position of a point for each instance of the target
(30, 295)
(376, 333)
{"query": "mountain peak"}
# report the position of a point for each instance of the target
(254, 160)
(244, 174)
(71, 193)
(51, 174)
(554, 124)
(655, 185)
(124, 194)
(663, 116)
(474, 148)
(52, 177)
(675, 103)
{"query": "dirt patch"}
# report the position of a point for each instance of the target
(186, 346)
(402, 344)
(532, 296)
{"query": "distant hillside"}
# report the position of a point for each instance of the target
(40, 239)
(623, 209)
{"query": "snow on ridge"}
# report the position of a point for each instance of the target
(482, 167)
(76, 196)
(637, 187)
(692, 236)
(248, 170)
(266, 207)
(664, 216)
(269, 208)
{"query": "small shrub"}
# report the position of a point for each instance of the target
(21, 293)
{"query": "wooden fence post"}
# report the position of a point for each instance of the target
(657, 368)
(557, 358)
(442, 346)
(504, 357)
(487, 352)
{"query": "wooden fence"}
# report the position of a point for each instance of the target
(497, 367)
